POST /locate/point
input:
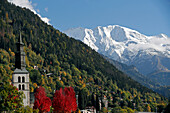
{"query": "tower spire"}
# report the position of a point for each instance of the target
(20, 54)
(20, 38)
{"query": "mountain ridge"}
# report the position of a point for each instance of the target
(126, 46)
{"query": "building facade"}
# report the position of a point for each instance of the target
(20, 76)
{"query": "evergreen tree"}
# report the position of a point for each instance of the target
(82, 99)
(167, 109)
(97, 103)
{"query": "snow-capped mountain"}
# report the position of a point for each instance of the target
(147, 53)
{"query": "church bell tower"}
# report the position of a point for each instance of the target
(20, 76)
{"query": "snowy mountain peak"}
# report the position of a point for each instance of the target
(123, 44)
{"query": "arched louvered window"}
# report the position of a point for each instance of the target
(19, 79)
(23, 87)
(23, 79)
(19, 87)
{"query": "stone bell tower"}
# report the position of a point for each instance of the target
(20, 76)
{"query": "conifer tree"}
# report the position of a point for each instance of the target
(97, 103)
(82, 99)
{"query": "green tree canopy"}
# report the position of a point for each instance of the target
(10, 98)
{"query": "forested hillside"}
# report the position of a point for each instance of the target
(71, 63)
(151, 83)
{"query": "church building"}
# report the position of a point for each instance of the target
(20, 77)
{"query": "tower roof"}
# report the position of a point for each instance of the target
(20, 39)
(20, 55)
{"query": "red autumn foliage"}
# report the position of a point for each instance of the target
(42, 102)
(64, 101)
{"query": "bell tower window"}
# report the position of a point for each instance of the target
(23, 79)
(19, 79)
(19, 86)
(23, 87)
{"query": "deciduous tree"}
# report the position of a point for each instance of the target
(64, 101)
(42, 102)
(10, 98)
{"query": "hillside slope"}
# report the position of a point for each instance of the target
(162, 77)
(149, 81)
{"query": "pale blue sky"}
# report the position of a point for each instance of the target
(150, 17)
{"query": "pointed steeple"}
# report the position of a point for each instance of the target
(20, 39)
(20, 54)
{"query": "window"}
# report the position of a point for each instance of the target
(19, 86)
(19, 79)
(23, 79)
(23, 87)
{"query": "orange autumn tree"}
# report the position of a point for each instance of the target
(64, 101)
(42, 102)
